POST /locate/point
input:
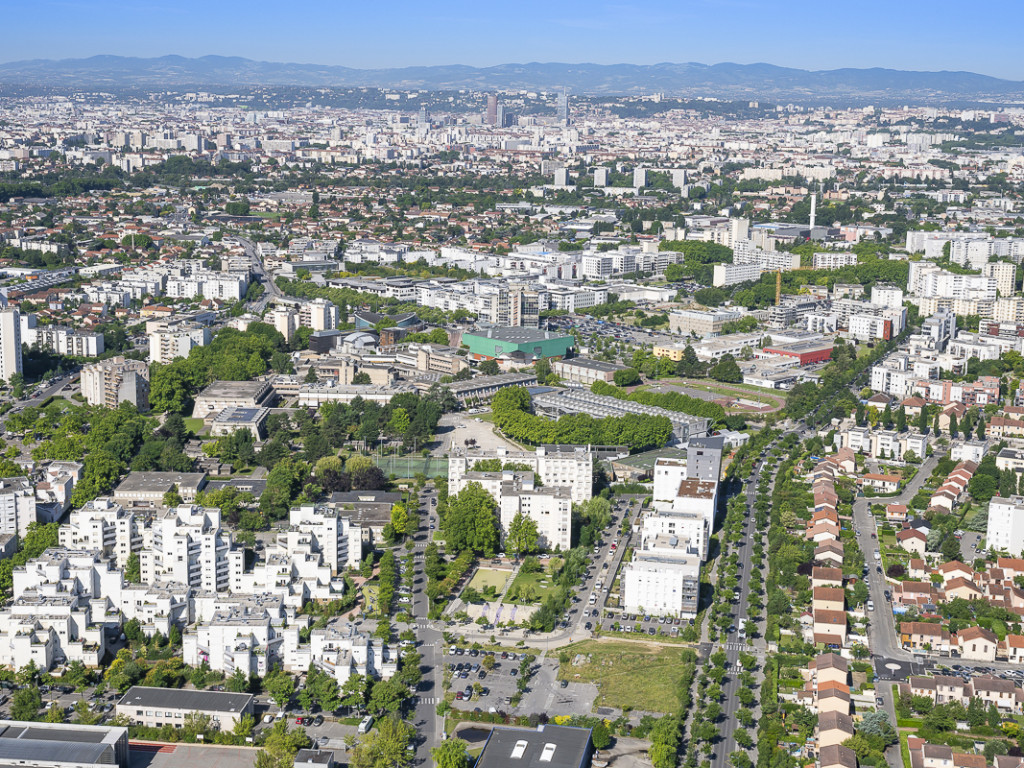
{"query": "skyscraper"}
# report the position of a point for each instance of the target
(10, 343)
(562, 107)
(492, 109)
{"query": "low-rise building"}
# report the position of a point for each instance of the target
(59, 745)
(157, 707)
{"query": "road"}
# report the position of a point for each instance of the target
(429, 643)
(882, 637)
(259, 272)
(733, 647)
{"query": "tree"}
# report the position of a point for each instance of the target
(26, 703)
(361, 378)
(922, 421)
(387, 696)
(238, 682)
(726, 370)
(954, 429)
(600, 735)
(451, 754)
(489, 368)
(400, 520)
(981, 427)
(385, 747)
(626, 377)
(172, 498)
(86, 716)
(901, 419)
(279, 686)
(280, 746)
(877, 724)
(133, 569)
(472, 521)
(522, 535)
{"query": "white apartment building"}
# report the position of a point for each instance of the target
(341, 650)
(10, 342)
(332, 536)
(60, 609)
(1005, 275)
(170, 340)
(64, 340)
(569, 466)
(246, 637)
(187, 545)
(49, 630)
(701, 324)
(597, 266)
(890, 296)
(159, 606)
(835, 259)
(17, 506)
(516, 492)
(663, 580)
(731, 274)
(285, 321)
(1005, 532)
(228, 286)
(105, 526)
(318, 314)
(115, 380)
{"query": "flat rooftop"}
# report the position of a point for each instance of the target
(152, 482)
(594, 365)
(241, 415)
(547, 746)
(518, 335)
(229, 389)
(174, 698)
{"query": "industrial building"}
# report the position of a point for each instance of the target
(522, 344)
(557, 403)
(56, 745)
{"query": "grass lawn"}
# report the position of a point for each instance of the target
(540, 583)
(194, 424)
(628, 674)
(485, 577)
(369, 597)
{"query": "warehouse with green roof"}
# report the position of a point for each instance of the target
(526, 344)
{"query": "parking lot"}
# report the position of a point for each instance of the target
(500, 685)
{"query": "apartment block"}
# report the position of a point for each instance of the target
(116, 380)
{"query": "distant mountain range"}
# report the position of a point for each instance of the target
(723, 80)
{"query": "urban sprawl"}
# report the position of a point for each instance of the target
(510, 428)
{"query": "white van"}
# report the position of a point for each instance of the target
(365, 725)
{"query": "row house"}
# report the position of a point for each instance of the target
(943, 689)
(925, 637)
(954, 487)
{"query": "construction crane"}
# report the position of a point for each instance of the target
(778, 282)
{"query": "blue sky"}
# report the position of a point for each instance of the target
(900, 34)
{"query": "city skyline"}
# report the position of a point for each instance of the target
(799, 34)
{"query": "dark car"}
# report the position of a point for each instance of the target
(318, 720)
